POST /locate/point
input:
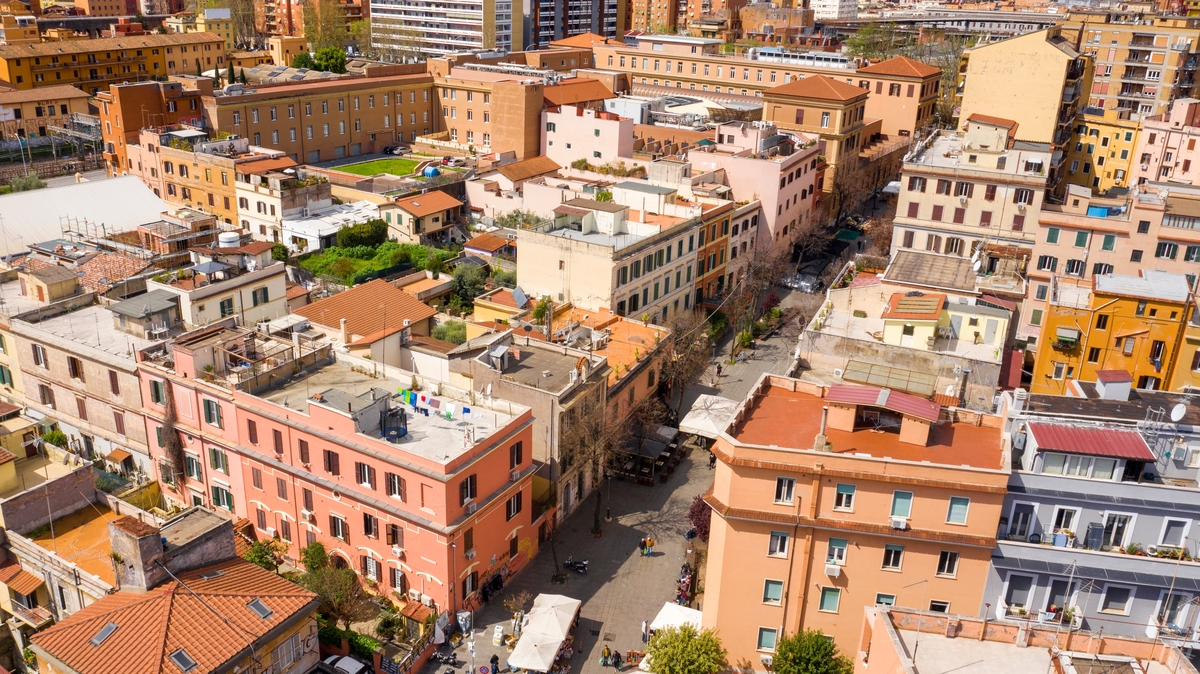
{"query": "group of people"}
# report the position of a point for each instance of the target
(610, 657)
(683, 588)
(646, 546)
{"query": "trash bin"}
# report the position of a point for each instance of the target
(464, 621)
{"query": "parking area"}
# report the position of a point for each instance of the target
(621, 588)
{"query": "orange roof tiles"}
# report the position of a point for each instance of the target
(993, 121)
(818, 86)
(488, 242)
(578, 90)
(210, 620)
(584, 40)
(296, 290)
(18, 579)
(629, 341)
(429, 203)
(265, 164)
(256, 247)
(901, 66)
(107, 269)
(360, 306)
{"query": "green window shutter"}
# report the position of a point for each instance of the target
(1110, 242)
(158, 434)
(1052, 235)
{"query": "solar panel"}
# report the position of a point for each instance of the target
(104, 633)
(884, 376)
(519, 296)
(209, 575)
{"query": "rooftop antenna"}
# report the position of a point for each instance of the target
(1177, 412)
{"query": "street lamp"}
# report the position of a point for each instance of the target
(608, 505)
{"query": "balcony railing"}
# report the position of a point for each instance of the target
(36, 617)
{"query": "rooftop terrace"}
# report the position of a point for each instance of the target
(82, 538)
(782, 418)
(34, 471)
(93, 326)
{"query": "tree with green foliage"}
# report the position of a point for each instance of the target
(199, 71)
(809, 652)
(230, 77)
(242, 75)
(874, 41)
(331, 59)
(686, 650)
(303, 60)
(369, 233)
(55, 437)
(26, 183)
(267, 553)
(603, 195)
(279, 252)
(541, 309)
(314, 557)
(342, 595)
(504, 277)
(519, 219)
(454, 332)
(468, 283)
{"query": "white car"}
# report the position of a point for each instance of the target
(347, 664)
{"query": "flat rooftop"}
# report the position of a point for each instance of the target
(35, 471)
(844, 324)
(542, 367)
(940, 655)
(82, 538)
(792, 419)
(12, 302)
(93, 326)
(433, 437)
(949, 149)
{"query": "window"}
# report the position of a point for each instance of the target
(395, 535)
(1093, 355)
(226, 307)
(778, 546)
(1173, 532)
(1081, 239)
(947, 563)
(835, 553)
(885, 599)
(304, 456)
(831, 598)
(893, 557)
(773, 592)
(1052, 234)
(1116, 599)
(281, 488)
(844, 499)
(1116, 528)
(957, 514)
(513, 507)
(902, 504)
(158, 393)
(75, 367)
(364, 475)
(1166, 250)
(114, 382)
(252, 431)
(1074, 267)
(212, 413)
(222, 498)
(332, 465)
(256, 478)
(1047, 263)
(218, 460)
(337, 528)
(766, 639)
(784, 489)
(466, 490)
(937, 606)
(191, 466)
(394, 484)
(370, 525)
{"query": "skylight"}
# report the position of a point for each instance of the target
(103, 634)
(261, 609)
(183, 660)
(209, 575)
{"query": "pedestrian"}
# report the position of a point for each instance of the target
(712, 459)
(616, 660)
(645, 632)
(642, 545)
(718, 369)
(650, 547)
(495, 664)
(605, 655)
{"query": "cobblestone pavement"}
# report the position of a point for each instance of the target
(621, 588)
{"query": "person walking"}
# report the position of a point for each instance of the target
(642, 546)
(605, 655)
(718, 369)
(645, 632)
(712, 459)
(650, 547)
(495, 664)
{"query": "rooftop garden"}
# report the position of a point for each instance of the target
(396, 167)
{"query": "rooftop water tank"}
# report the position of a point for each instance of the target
(229, 240)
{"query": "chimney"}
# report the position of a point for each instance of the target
(136, 548)
(1113, 384)
(344, 337)
(819, 442)
(1020, 398)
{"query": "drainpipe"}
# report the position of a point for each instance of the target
(813, 508)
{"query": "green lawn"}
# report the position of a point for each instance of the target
(396, 167)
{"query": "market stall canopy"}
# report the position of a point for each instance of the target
(674, 615)
(534, 651)
(709, 416)
(564, 609)
(549, 623)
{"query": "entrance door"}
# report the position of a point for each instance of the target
(906, 336)
(1022, 521)
(955, 326)
(989, 331)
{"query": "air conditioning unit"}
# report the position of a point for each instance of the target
(838, 372)
(900, 523)
(414, 595)
(471, 508)
(766, 660)
(269, 531)
(514, 476)
(426, 600)
(470, 554)
(397, 551)
(962, 200)
(306, 515)
(833, 570)
(1145, 167)
(1021, 207)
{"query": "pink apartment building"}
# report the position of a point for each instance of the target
(573, 132)
(1166, 147)
(273, 429)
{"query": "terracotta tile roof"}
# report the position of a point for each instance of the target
(265, 164)
(432, 344)
(528, 168)
(54, 93)
(210, 620)
(501, 327)
(578, 90)
(296, 290)
(920, 308)
(134, 527)
(994, 121)
(901, 66)
(818, 86)
(256, 247)
(1113, 376)
(108, 269)
(431, 202)
(107, 44)
(1120, 444)
(360, 307)
(488, 242)
(18, 579)
(905, 403)
(584, 40)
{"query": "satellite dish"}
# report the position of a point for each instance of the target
(1177, 412)
(977, 266)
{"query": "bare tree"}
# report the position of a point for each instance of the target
(325, 24)
(241, 15)
(688, 356)
(945, 54)
(586, 441)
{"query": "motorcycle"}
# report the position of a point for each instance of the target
(578, 567)
(446, 659)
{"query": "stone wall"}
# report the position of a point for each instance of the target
(57, 498)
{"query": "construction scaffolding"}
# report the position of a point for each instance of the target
(81, 132)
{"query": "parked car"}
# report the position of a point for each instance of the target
(347, 664)
(453, 161)
(809, 283)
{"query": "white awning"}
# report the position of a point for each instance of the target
(674, 615)
(534, 651)
(709, 416)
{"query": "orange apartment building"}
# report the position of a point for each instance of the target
(125, 109)
(834, 110)
(827, 501)
(711, 251)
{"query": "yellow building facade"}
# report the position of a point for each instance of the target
(1111, 322)
(1102, 151)
(1185, 375)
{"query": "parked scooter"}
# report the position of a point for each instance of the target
(450, 658)
(578, 567)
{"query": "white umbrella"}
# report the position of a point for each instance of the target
(535, 651)
(674, 615)
(709, 416)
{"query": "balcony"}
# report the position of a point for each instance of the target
(36, 617)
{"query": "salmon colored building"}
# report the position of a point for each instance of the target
(430, 501)
(897, 504)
